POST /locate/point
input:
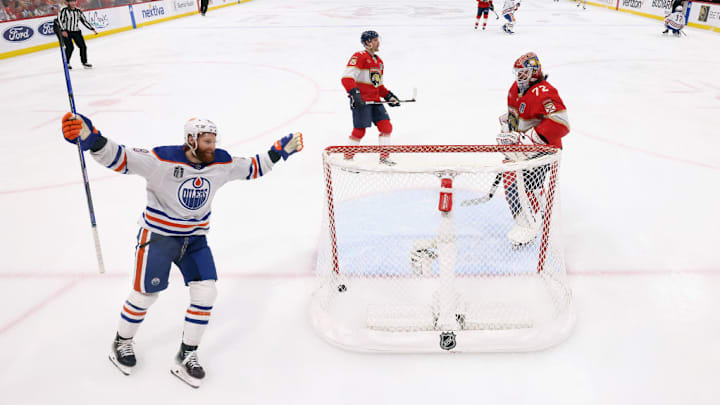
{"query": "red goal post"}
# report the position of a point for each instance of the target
(409, 261)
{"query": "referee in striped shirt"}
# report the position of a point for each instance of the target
(70, 18)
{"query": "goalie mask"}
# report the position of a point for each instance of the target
(196, 126)
(527, 71)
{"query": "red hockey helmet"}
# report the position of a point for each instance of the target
(527, 70)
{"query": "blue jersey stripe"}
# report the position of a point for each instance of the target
(133, 306)
(130, 320)
(259, 166)
(201, 307)
(117, 156)
(195, 321)
(175, 232)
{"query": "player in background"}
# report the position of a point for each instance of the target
(583, 2)
(363, 81)
(675, 22)
(536, 116)
(181, 182)
(484, 7)
(508, 13)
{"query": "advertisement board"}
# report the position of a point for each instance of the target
(163, 10)
(704, 15)
(28, 34)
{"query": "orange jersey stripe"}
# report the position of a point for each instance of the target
(122, 166)
(133, 312)
(139, 263)
(255, 169)
(201, 313)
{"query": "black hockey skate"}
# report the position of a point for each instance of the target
(187, 366)
(122, 354)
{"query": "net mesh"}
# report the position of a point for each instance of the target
(448, 248)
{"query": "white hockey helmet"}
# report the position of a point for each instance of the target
(197, 126)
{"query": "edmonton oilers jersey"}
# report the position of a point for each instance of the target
(179, 192)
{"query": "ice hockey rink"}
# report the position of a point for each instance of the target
(639, 192)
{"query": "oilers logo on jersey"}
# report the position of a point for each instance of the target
(193, 193)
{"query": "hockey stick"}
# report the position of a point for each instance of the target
(98, 250)
(497, 17)
(412, 100)
(487, 197)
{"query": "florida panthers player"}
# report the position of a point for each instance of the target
(363, 80)
(181, 183)
(484, 7)
(675, 22)
(508, 13)
(536, 116)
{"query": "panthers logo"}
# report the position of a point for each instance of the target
(376, 79)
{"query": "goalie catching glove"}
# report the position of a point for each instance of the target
(76, 126)
(529, 137)
(288, 145)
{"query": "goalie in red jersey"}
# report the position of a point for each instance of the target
(363, 80)
(536, 116)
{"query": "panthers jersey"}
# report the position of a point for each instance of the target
(179, 192)
(540, 108)
(365, 72)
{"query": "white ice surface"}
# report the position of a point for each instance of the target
(639, 195)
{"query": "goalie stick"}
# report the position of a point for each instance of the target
(412, 100)
(93, 223)
(487, 197)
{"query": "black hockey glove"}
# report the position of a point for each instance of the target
(392, 100)
(492, 6)
(356, 100)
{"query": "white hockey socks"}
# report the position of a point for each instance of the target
(202, 297)
(133, 313)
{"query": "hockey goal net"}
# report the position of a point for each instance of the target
(450, 248)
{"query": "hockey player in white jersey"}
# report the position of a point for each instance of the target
(181, 183)
(675, 22)
(508, 13)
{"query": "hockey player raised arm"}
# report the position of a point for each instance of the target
(198, 151)
(181, 182)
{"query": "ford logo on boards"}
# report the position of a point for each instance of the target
(18, 33)
(46, 29)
